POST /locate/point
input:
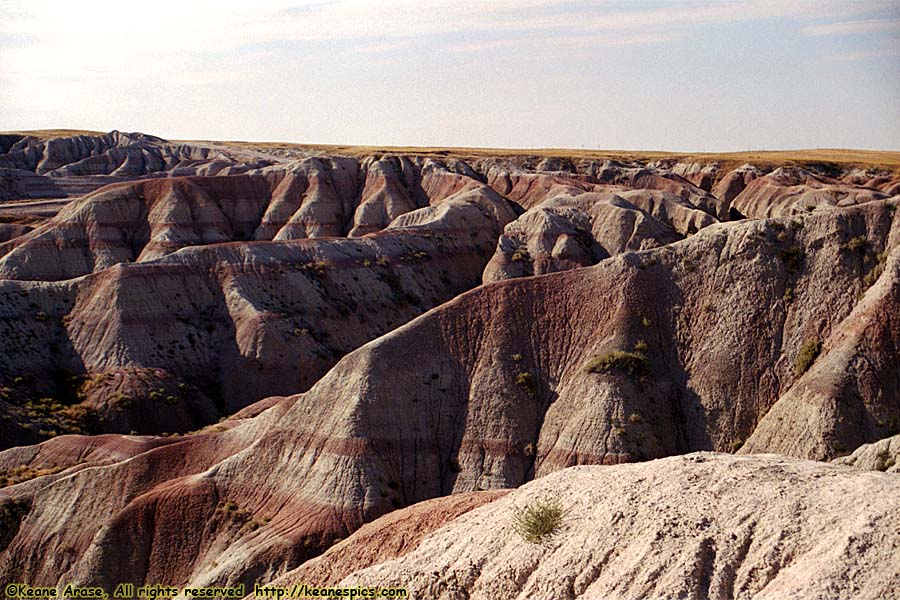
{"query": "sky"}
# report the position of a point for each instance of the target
(686, 75)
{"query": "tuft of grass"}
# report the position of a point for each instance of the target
(641, 347)
(635, 418)
(632, 363)
(539, 521)
(809, 351)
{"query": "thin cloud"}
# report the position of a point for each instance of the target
(853, 27)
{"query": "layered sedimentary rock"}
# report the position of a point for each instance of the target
(512, 381)
(173, 343)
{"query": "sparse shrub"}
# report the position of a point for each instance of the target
(539, 521)
(635, 418)
(858, 244)
(736, 445)
(641, 347)
(788, 294)
(521, 254)
(516, 357)
(632, 363)
(529, 450)
(873, 275)
(809, 351)
(645, 321)
(792, 257)
(524, 378)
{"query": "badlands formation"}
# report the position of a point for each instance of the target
(229, 363)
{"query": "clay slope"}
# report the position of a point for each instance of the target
(697, 526)
(494, 388)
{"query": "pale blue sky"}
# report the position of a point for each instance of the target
(687, 75)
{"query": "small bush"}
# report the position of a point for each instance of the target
(641, 347)
(539, 521)
(635, 418)
(632, 363)
(809, 351)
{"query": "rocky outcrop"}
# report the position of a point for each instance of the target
(793, 190)
(883, 455)
(696, 526)
(574, 230)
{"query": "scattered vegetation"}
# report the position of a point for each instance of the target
(632, 363)
(809, 351)
(539, 521)
(641, 347)
(645, 321)
(736, 445)
(24, 473)
(635, 418)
